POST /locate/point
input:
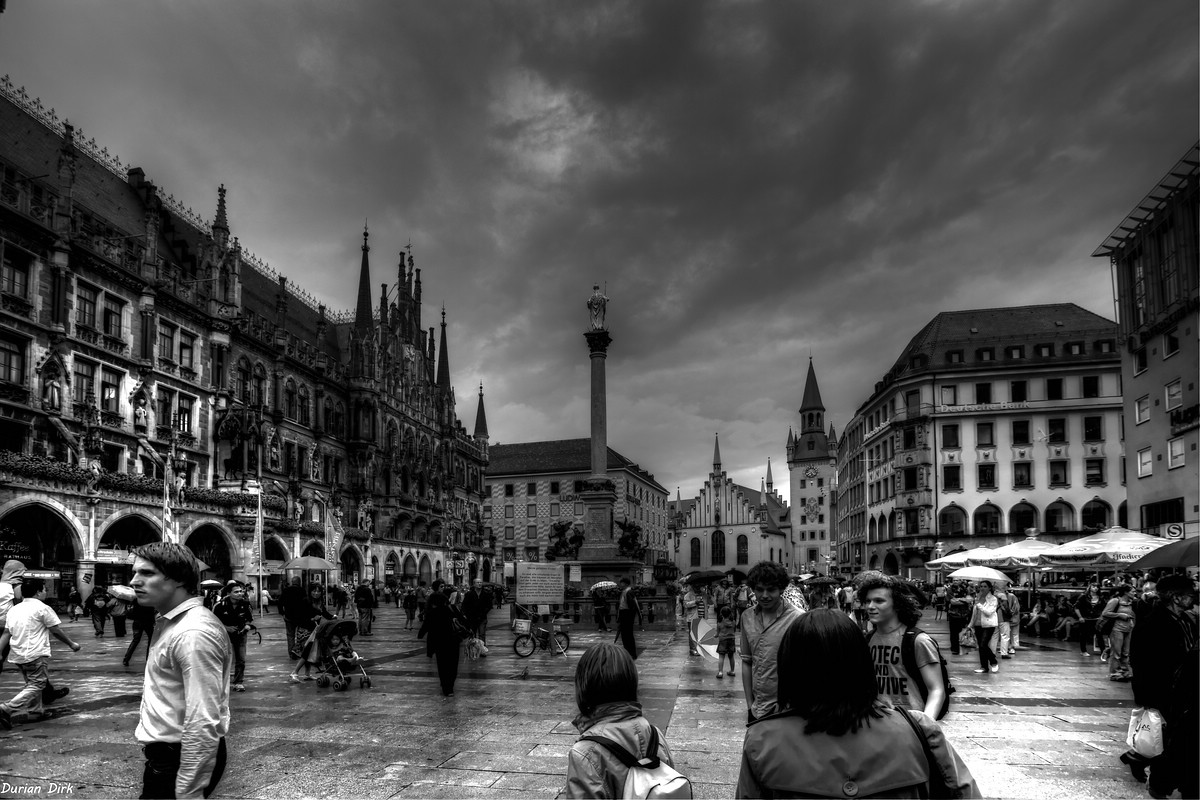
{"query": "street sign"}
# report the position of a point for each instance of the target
(1175, 531)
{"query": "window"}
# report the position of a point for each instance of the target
(1139, 360)
(986, 474)
(110, 391)
(554, 510)
(187, 347)
(983, 393)
(743, 549)
(113, 310)
(85, 379)
(1054, 389)
(1016, 351)
(1145, 462)
(260, 389)
(985, 354)
(531, 531)
(242, 381)
(1093, 429)
(531, 510)
(985, 434)
(695, 552)
(163, 403)
(1091, 385)
(305, 403)
(1059, 472)
(166, 341)
(1020, 431)
(1141, 409)
(289, 399)
(1175, 457)
(1018, 391)
(1174, 393)
(579, 509)
(909, 438)
(1075, 348)
(531, 489)
(949, 395)
(85, 305)
(14, 272)
(952, 478)
(1022, 517)
(1093, 472)
(950, 436)
(1044, 351)
(510, 532)
(1057, 430)
(184, 420)
(12, 362)
(954, 357)
(1022, 475)
(554, 487)
(508, 490)
(1105, 346)
(508, 512)
(911, 479)
(532, 553)
(1170, 343)
(718, 547)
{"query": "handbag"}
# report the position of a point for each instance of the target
(966, 638)
(937, 781)
(1145, 734)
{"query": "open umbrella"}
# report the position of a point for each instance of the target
(706, 638)
(1016, 555)
(979, 574)
(821, 580)
(598, 585)
(704, 576)
(1183, 553)
(956, 560)
(309, 562)
(1114, 545)
(123, 593)
(211, 584)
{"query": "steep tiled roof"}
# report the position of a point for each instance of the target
(258, 295)
(562, 455)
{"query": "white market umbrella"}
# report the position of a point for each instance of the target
(979, 574)
(1018, 555)
(1112, 546)
(957, 560)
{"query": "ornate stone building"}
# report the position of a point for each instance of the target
(812, 469)
(154, 375)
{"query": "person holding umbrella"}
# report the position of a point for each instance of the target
(600, 608)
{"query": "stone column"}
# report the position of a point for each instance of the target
(598, 342)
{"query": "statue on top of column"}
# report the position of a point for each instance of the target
(597, 305)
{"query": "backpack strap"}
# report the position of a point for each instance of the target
(908, 656)
(651, 761)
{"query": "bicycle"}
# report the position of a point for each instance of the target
(526, 643)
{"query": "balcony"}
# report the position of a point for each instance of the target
(914, 498)
(15, 304)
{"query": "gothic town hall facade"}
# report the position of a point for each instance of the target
(157, 381)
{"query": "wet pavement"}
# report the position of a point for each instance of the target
(1049, 725)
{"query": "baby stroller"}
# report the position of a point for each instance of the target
(338, 662)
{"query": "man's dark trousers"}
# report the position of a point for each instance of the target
(625, 627)
(162, 767)
(956, 626)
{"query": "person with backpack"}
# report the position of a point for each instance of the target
(909, 668)
(834, 736)
(619, 753)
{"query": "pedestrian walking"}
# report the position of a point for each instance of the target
(600, 611)
(265, 601)
(1087, 610)
(365, 603)
(984, 620)
(723, 596)
(28, 628)
(441, 641)
(97, 608)
(958, 615)
(908, 664)
(234, 612)
(741, 602)
(834, 736)
(1119, 615)
(422, 600)
(1010, 621)
(306, 618)
(75, 604)
(475, 607)
(762, 628)
(142, 619)
(1163, 655)
(185, 697)
(293, 605)
(606, 695)
(691, 616)
(118, 610)
(726, 640)
(628, 609)
(410, 608)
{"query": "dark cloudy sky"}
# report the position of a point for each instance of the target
(754, 181)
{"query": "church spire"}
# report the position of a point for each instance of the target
(812, 392)
(220, 226)
(443, 370)
(769, 481)
(362, 316)
(481, 431)
(716, 453)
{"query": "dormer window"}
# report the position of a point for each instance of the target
(954, 357)
(985, 354)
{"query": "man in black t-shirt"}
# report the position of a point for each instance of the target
(364, 601)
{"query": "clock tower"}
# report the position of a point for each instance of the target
(812, 466)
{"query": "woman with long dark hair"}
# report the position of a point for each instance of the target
(442, 641)
(833, 736)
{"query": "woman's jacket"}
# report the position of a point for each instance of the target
(881, 759)
(592, 769)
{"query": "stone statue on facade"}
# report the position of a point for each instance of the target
(52, 396)
(597, 306)
(139, 415)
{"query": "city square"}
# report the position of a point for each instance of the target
(611, 311)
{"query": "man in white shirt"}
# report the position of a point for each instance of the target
(185, 697)
(29, 627)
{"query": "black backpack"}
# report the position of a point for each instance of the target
(908, 656)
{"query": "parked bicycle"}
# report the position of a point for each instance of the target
(556, 641)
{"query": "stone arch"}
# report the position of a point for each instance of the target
(232, 542)
(350, 563)
(275, 549)
(1060, 517)
(103, 528)
(872, 530)
(874, 563)
(74, 525)
(437, 568)
(435, 532)
(209, 544)
(1096, 516)
(391, 566)
(1123, 514)
(891, 564)
(410, 569)
(425, 572)
(313, 547)
(694, 546)
(41, 535)
(952, 521)
(986, 519)
(1022, 516)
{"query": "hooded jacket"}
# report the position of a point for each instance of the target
(592, 769)
(881, 759)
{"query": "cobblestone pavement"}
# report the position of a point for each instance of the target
(1048, 725)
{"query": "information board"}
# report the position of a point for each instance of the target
(538, 582)
(576, 573)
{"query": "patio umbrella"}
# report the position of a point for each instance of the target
(705, 576)
(1183, 553)
(1016, 555)
(979, 574)
(309, 562)
(211, 584)
(957, 560)
(822, 581)
(598, 585)
(1111, 546)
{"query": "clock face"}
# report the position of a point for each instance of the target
(811, 472)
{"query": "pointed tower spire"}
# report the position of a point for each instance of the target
(770, 483)
(812, 392)
(716, 453)
(481, 431)
(443, 369)
(362, 316)
(220, 222)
